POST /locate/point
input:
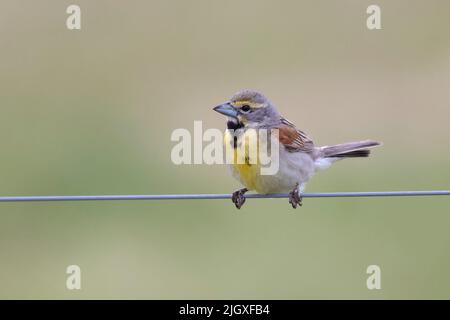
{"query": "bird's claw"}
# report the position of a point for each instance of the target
(238, 197)
(295, 199)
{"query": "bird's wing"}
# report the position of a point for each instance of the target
(294, 140)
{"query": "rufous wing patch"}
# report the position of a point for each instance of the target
(293, 139)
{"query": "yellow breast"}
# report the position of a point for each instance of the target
(248, 173)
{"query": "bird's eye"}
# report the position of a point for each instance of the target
(245, 108)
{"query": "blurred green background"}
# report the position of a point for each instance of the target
(91, 112)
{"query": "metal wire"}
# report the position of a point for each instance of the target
(224, 196)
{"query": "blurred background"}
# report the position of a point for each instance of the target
(91, 112)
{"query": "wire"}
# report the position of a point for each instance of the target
(225, 196)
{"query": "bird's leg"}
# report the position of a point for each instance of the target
(295, 199)
(238, 197)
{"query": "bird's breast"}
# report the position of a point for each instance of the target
(293, 167)
(244, 158)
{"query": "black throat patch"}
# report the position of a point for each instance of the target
(231, 125)
(234, 126)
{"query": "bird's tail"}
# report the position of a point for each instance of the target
(349, 150)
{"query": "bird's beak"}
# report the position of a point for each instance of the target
(227, 109)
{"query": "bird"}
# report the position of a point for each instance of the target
(299, 158)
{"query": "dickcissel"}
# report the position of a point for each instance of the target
(298, 157)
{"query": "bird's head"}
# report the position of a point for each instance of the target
(248, 108)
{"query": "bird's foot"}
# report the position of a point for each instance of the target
(238, 197)
(295, 199)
